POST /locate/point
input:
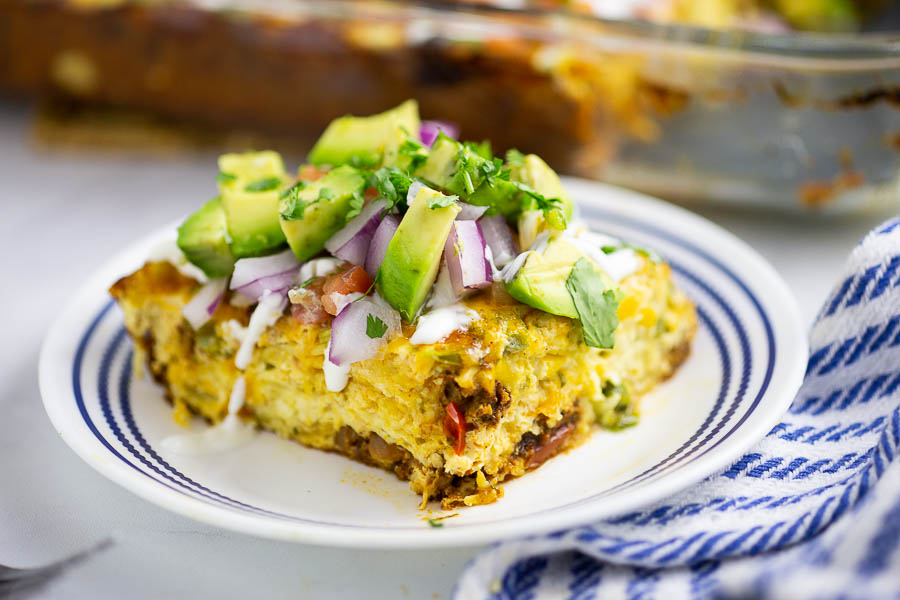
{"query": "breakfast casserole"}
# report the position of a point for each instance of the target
(409, 301)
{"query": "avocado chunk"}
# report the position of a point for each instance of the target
(537, 174)
(367, 141)
(454, 167)
(541, 280)
(250, 166)
(250, 184)
(204, 240)
(532, 171)
(311, 215)
(414, 253)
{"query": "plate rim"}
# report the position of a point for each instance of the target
(57, 350)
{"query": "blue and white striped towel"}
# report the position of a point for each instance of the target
(828, 464)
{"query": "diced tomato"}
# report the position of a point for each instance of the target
(309, 315)
(370, 194)
(309, 309)
(312, 172)
(455, 427)
(354, 279)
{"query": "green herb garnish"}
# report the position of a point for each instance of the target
(225, 178)
(294, 206)
(441, 201)
(392, 185)
(375, 327)
(356, 205)
(415, 151)
(263, 185)
(307, 282)
(595, 303)
(325, 194)
(435, 523)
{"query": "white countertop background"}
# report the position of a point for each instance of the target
(62, 214)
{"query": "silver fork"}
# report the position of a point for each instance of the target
(16, 584)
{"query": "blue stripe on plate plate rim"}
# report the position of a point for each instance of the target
(170, 477)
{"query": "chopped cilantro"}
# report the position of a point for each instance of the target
(441, 201)
(472, 166)
(356, 205)
(415, 151)
(263, 185)
(325, 194)
(375, 327)
(435, 523)
(294, 189)
(294, 205)
(534, 200)
(308, 281)
(392, 185)
(595, 303)
(225, 178)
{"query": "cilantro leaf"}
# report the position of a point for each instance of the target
(263, 185)
(595, 303)
(414, 151)
(392, 185)
(293, 190)
(307, 282)
(534, 200)
(356, 205)
(435, 523)
(225, 178)
(294, 205)
(375, 327)
(441, 201)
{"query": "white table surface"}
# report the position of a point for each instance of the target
(63, 214)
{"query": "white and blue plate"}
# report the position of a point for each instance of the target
(745, 366)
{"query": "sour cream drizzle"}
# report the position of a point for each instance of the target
(336, 376)
(232, 431)
(436, 325)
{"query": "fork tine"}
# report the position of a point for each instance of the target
(17, 584)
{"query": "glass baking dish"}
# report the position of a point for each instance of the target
(794, 122)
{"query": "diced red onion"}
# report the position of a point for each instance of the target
(205, 302)
(380, 240)
(499, 237)
(352, 242)
(277, 284)
(466, 260)
(349, 341)
(470, 212)
(253, 276)
(247, 270)
(429, 130)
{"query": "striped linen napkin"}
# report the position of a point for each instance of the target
(827, 468)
